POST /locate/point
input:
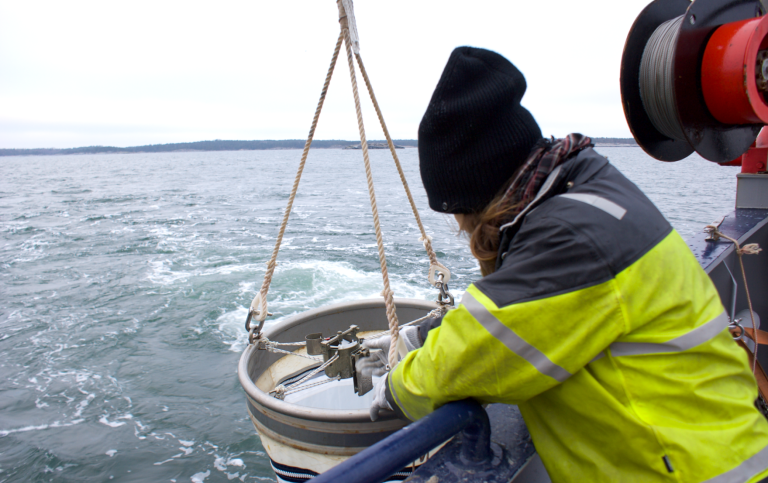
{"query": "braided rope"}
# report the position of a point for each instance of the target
(424, 237)
(273, 261)
(387, 293)
(389, 301)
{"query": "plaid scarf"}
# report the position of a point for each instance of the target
(540, 163)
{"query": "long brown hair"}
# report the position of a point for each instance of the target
(482, 228)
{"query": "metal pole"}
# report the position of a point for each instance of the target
(390, 455)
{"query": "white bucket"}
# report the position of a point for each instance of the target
(312, 430)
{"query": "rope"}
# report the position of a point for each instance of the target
(424, 237)
(273, 261)
(657, 81)
(389, 301)
(438, 312)
(260, 301)
(750, 249)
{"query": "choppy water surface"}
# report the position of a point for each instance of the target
(124, 282)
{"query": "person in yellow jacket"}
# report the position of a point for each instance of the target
(592, 315)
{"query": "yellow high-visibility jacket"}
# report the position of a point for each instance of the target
(601, 325)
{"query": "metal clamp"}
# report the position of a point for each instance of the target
(348, 348)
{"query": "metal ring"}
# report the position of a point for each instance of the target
(736, 323)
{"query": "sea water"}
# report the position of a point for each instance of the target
(125, 280)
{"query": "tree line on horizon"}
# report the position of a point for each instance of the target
(221, 145)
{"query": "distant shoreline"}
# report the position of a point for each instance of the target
(221, 145)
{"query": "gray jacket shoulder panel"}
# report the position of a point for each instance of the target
(601, 225)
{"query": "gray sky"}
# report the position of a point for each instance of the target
(82, 73)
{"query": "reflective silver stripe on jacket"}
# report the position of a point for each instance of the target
(513, 341)
(598, 202)
(397, 399)
(697, 336)
(746, 470)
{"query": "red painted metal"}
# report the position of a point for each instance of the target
(756, 158)
(728, 72)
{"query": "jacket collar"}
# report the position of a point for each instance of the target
(579, 169)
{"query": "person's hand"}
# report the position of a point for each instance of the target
(373, 365)
(409, 334)
(379, 398)
(376, 363)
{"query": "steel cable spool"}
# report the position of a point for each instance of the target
(674, 95)
(657, 88)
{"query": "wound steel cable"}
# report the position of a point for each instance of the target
(657, 82)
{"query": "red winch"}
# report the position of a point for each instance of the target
(694, 77)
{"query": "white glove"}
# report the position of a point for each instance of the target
(379, 398)
(376, 363)
(373, 365)
(409, 334)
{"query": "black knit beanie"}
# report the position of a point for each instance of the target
(475, 134)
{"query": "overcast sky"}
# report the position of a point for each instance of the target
(81, 73)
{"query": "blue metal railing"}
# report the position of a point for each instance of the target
(390, 455)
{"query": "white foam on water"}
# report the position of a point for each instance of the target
(161, 273)
(111, 424)
(247, 287)
(231, 327)
(111, 452)
(25, 429)
(221, 463)
(83, 404)
(323, 283)
(200, 477)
